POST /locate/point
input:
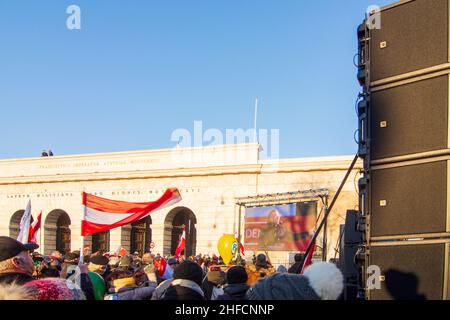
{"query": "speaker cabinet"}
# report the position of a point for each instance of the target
(410, 118)
(409, 198)
(411, 270)
(413, 36)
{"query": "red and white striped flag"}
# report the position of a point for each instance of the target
(102, 214)
(181, 244)
(34, 227)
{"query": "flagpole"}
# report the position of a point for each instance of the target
(255, 137)
(81, 261)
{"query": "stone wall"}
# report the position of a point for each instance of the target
(209, 191)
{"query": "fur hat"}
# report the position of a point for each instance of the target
(14, 291)
(54, 289)
(321, 281)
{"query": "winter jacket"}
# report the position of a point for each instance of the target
(255, 273)
(295, 268)
(161, 290)
(144, 293)
(87, 286)
(214, 279)
(181, 289)
(234, 292)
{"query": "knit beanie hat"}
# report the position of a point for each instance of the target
(282, 286)
(320, 281)
(54, 289)
(326, 280)
(236, 275)
(189, 270)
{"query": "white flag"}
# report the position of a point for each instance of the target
(25, 224)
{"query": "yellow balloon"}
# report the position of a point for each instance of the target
(227, 246)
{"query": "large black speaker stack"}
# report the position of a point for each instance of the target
(404, 142)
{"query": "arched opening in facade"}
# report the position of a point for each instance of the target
(100, 242)
(137, 236)
(175, 220)
(96, 242)
(14, 223)
(57, 232)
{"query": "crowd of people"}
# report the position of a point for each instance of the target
(27, 275)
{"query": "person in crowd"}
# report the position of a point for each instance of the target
(80, 277)
(172, 263)
(320, 281)
(213, 282)
(16, 264)
(161, 289)
(99, 264)
(236, 286)
(260, 269)
(186, 284)
(298, 263)
(125, 262)
(113, 263)
(56, 261)
(149, 268)
(70, 261)
(282, 269)
(54, 289)
(122, 285)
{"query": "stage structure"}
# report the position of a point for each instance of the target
(289, 218)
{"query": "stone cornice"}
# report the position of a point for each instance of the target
(264, 167)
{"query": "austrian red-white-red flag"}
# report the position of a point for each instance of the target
(102, 214)
(181, 243)
(34, 227)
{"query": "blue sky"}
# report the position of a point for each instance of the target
(138, 70)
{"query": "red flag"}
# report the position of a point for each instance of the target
(34, 227)
(104, 214)
(122, 252)
(160, 265)
(181, 243)
(308, 258)
(241, 247)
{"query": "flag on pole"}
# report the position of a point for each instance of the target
(161, 265)
(102, 214)
(181, 243)
(34, 227)
(308, 258)
(25, 223)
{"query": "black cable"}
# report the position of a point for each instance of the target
(354, 63)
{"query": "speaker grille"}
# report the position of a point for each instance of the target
(411, 271)
(416, 36)
(409, 199)
(410, 118)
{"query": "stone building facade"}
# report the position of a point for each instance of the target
(209, 180)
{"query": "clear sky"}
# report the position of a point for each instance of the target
(138, 70)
